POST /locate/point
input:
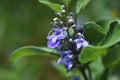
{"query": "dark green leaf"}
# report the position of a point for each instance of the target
(114, 72)
(98, 32)
(112, 57)
(89, 53)
(105, 24)
(53, 6)
(61, 69)
(81, 4)
(97, 63)
(113, 35)
(31, 50)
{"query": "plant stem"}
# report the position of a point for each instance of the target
(82, 70)
(89, 72)
(68, 33)
(105, 74)
(84, 75)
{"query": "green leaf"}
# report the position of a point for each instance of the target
(97, 63)
(105, 24)
(112, 57)
(60, 68)
(113, 35)
(53, 6)
(31, 50)
(81, 4)
(114, 72)
(66, 2)
(90, 53)
(98, 32)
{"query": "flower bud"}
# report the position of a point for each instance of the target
(61, 22)
(79, 34)
(69, 17)
(58, 14)
(55, 22)
(63, 11)
(70, 14)
(70, 21)
(63, 7)
(73, 25)
(70, 40)
(65, 28)
(55, 19)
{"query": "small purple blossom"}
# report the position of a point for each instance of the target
(54, 39)
(76, 78)
(66, 37)
(65, 59)
(80, 43)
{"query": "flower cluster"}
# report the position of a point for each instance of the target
(67, 38)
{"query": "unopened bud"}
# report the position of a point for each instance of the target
(61, 22)
(79, 34)
(55, 22)
(70, 21)
(73, 25)
(63, 6)
(63, 11)
(69, 17)
(55, 19)
(70, 14)
(70, 40)
(59, 14)
(66, 28)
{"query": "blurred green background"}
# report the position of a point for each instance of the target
(27, 22)
(24, 22)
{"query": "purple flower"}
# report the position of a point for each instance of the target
(54, 39)
(77, 78)
(65, 59)
(81, 43)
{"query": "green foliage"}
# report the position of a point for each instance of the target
(112, 36)
(66, 2)
(91, 27)
(112, 57)
(81, 4)
(90, 53)
(60, 68)
(105, 24)
(53, 6)
(10, 75)
(97, 68)
(30, 51)
(26, 23)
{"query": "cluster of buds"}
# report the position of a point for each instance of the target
(67, 38)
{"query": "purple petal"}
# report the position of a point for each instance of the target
(53, 45)
(61, 36)
(60, 33)
(79, 40)
(50, 37)
(80, 43)
(69, 66)
(65, 59)
(54, 39)
(77, 78)
(85, 43)
(78, 46)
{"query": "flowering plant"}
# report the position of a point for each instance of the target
(75, 43)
